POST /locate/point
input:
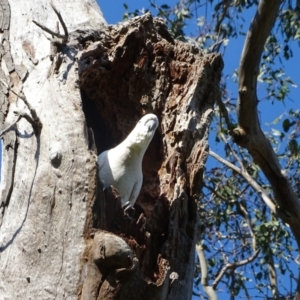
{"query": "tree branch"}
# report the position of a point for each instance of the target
(48, 30)
(225, 115)
(232, 151)
(160, 10)
(234, 266)
(53, 33)
(259, 31)
(34, 120)
(214, 192)
(249, 134)
(10, 126)
(209, 290)
(248, 178)
(272, 275)
(61, 22)
(246, 216)
(199, 248)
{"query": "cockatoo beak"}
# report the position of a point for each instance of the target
(151, 125)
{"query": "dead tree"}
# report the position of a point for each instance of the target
(62, 236)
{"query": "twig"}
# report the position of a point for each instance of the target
(233, 152)
(53, 33)
(217, 45)
(225, 7)
(32, 110)
(217, 194)
(272, 275)
(10, 126)
(48, 30)
(61, 21)
(14, 92)
(243, 190)
(160, 10)
(209, 290)
(33, 119)
(225, 115)
(248, 178)
(248, 220)
(234, 266)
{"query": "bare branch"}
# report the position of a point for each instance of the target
(214, 191)
(10, 126)
(249, 134)
(48, 30)
(248, 220)
(259, 31)
(160, 10)
(200, 252)
(272, 275)
(222, 15)
(224, 113)
(61, 21)
(216, 46)
(248, 178)
(232, 151)
(14, 92)
(234, 266)
(33, 119)
(209, 290)
(53, 33)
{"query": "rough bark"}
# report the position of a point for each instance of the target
(61, 235)
(138, 68)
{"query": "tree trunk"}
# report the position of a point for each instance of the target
(61, 235)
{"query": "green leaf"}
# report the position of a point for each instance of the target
(165, 6)
(286, 124)
(259, 275)
(275, 121)
(201, 21)
(276, 132)
(293, 146)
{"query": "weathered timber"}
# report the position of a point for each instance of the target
(137, 68)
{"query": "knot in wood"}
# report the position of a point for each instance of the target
(55, 156)
(239, 136)
(111, 252)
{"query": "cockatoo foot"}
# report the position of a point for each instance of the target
(126, 206)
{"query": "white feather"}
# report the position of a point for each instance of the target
(122, 166)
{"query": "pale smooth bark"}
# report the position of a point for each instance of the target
(249, 134)
(46, 176)
(209, 290)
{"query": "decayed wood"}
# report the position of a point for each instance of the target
(137, 68)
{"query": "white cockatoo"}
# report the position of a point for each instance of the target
(121, 166)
